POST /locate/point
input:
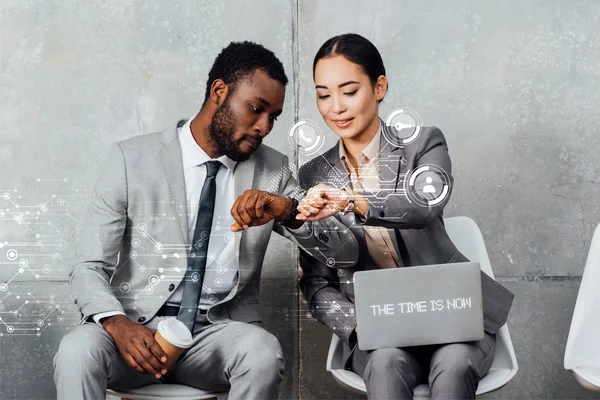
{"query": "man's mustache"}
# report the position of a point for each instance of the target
(256, 140)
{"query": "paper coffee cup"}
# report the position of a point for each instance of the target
(173, 337)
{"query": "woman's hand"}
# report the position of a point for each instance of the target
(322, 201)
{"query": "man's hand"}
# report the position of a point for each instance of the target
(137, 345)
(322, 201)
(256, 207)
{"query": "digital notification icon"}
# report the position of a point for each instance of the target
(404, 126)
(428, 185)
(306, 137)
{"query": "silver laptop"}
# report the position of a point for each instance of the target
(413, 306)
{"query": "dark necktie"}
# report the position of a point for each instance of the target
(194, 276)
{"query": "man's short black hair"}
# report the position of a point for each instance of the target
(240, 59)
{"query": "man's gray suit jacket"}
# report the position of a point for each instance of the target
(135, 245)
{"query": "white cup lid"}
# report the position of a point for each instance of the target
(175, 332)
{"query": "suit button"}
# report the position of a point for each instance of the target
(141, 319)
(381, 214)
(323, 238)
(171, 287)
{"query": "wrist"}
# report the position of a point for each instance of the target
(347, 201)
(290, 211)
(287, 209)
(110, 321)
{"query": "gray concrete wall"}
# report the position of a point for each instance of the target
(512, 84)
(76, 76)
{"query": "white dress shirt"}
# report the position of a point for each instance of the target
(222, 263)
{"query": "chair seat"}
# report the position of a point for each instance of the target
(589, 378)
(421, 393)
(165, 392)
(494, 379)
(349, 380)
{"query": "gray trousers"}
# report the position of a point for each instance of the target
(452, 371)
(241, 358)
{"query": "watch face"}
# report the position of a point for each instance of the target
(343, 194)
(349, 207)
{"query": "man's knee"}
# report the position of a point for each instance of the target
(262, 353)
(83, 347)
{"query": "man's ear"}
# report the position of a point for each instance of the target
(218, 92)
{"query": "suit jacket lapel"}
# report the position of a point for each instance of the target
(336, 176)
(393, 170)
(173, 165)
(391, 162)
(244, 176)
(243, 180)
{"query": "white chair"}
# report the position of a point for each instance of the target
(165, 392)
(468, 239)
(582, 354)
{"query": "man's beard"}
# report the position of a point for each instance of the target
(221, 131)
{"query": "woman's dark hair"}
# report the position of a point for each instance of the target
(356, 49)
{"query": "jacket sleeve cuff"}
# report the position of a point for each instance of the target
(99, 316)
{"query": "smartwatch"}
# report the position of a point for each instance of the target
(350, 197)
(292, 217)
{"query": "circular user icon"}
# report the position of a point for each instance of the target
(427, 185)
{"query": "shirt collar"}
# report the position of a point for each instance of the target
(371, 151)
(193, 154)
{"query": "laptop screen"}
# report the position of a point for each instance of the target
(413, 306)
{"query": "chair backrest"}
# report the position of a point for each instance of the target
(335, 357)
(582, 348)
(467, 238)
